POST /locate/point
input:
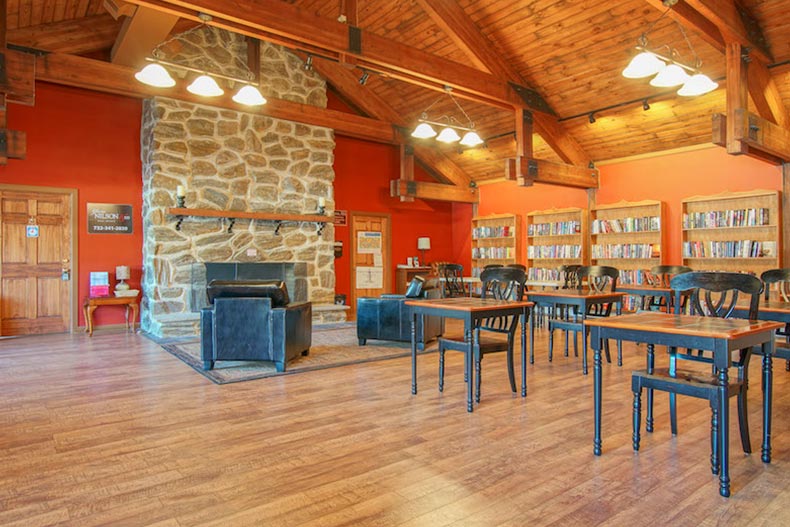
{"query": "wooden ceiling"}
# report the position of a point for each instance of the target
(570, 52)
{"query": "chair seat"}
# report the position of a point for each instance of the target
(489, 342)
(694, 383)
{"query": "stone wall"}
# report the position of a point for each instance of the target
(229, 160)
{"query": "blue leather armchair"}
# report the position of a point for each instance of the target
(389, 318)
(253, 320)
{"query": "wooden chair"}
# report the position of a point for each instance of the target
(568, 279)
(710, 294)
(496, 333)
(518, 266)
(661, 276)
(452, 283)
(601, 278)
(778, 280)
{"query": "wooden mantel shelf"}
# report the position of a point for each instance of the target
(233, 215)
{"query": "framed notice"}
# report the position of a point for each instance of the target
(369, 242)
(109, 218)
(341, 218)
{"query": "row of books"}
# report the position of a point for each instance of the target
(726, 218)
(643, 224)
(554, 251)
(542, 274)
(626, 250)
(730, 249)
(500, 231)
(498, 253)
(554, 229)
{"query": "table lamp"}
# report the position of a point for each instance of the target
(121, 274)
(423, 244)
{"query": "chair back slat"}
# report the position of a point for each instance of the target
(569, 276)
(599, 278)
(453, 283)
(778, 280)
(661, 275)
(715, 294)
(502, 283)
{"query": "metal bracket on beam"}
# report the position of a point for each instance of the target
(532, 98)
(354, 39)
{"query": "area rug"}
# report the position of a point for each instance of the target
(333, 346)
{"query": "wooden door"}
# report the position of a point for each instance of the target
(35, 231)
(371, 256)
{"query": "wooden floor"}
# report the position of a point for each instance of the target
(112, 430)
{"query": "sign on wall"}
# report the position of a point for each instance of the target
(109, 218)
(341, 218)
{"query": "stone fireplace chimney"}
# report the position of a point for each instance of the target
(233, 161)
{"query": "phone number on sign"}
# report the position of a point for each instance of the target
(110, 228)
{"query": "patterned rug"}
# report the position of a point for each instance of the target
(333, 346)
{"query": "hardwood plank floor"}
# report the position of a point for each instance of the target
(112, 430)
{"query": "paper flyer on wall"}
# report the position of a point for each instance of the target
(370, 277)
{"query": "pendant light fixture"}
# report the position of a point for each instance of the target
(156, 74)
(669, 71)
(450, 126)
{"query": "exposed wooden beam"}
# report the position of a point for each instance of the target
(118, 8)
(719, 137)
(765, 94)
(737, 97)
(345, 82)
(76, 36)
(735, 25)
(433, 191)
(451, 17)
(110, 78)
(539, 171)
(140, 34)
(692, 19)
(406, 167)
(292, 27)
(17, 76)
(761, 134)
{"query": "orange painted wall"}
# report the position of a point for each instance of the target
(91, 142)
(671, 178)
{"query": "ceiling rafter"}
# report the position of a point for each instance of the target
(454, 21)
(140, 33)
(292, 27)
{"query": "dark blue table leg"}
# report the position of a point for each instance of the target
(724, 434)
(524, 316)
(595, 340)
(414, 352)
(651, 362)
(767, 349)
(469, 334)
(531, 342)
(584, 339)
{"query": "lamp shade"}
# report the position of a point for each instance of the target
(122, 272)
(424, 243)
(156, 76)
(250, 96)
(672, 75)
(205, 86)
(471, 139)
(423, 131)
(697, 84)
(644, 64)
(448, 135)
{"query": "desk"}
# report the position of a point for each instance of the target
(471, 311)
(91, 303)
(580, 301)
(404, 275)
(721, 336)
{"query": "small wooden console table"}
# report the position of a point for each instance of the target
(92, 302)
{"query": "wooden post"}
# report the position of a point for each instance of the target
(785, 234)
(406, 166)
(737, 95)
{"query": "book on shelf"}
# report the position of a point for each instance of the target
(768, 249)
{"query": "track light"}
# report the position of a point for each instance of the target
(645, 105)
(364, 78)
(308, 64)
(591, 117)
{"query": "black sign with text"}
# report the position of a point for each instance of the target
(109, 218)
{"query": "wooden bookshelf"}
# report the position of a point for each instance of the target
(496, 239)
(628, 235)
(555, 237)
(732, 231)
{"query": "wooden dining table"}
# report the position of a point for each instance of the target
(471, 311)
(718, 335)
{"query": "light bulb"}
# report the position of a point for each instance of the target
(448, 135)
(155, 75)
(672, 75)
(250, 96)
(697, 84)
(471, 139)
(644, 64)
(423, 131)
(205, 86)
